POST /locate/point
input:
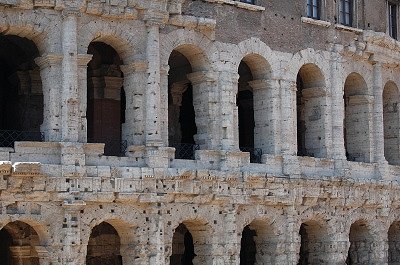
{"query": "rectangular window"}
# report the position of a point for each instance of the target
(346, 12)
(393, 20)
(314, 9)
(247, 1)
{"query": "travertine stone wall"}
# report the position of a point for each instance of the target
(62, 201)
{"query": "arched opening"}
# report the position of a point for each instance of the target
(391, 123)
(17, 244)
(191, 244)
(104, 246)
(105, 98)
(244, 102)
(357, 116)
(182, 247)
(313, 238)
(258, 244)
(394, 244)
(182, 127)
(360, 244)
(311, 104)
(21, 95)
(255, 107)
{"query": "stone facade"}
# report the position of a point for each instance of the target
(320, 101)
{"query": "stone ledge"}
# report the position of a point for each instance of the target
(316, 22)
(238, 4)
(347, 28)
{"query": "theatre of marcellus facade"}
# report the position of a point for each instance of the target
(213, 132)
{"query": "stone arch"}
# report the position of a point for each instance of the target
(117, 37)
(104, 245)
(311, 113)
(391, 124)
(128, 234)
(188, 42)
(313, 238)
(41, 32)
(191, 243)
(19, 242)
(258, 242)
(358, 111)
(188, 100)
(361, 240)
(254, 112)
(394, 243)
(105, 110)
(22, 94)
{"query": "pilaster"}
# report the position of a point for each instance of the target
(69, 94)
(288, 125)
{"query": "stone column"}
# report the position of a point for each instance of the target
(205, 103)
(83, 60)
(69, 94)
(378, 143)
(288, 90)
(50, 70)
(135, 82)
(337, 107)
(266, 115)
(228, 118)
(153, 102)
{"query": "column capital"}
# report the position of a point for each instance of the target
(136, 66)
(201, 77)
(49, 59)
(84, 59)
(155, 18)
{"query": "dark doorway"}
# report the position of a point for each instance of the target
(248, 247)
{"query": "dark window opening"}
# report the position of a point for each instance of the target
(105, 99)
(21, 95)
(314, 9)
(393, 20)
(346, 12)
(248, 247)
(252, 2)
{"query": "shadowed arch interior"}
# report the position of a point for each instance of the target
(391, 123)
(104, 246)
(105, 98)
(311, 102)
(258, 243)
(360, 244)
(255, 107)
(191, 244)
(358, 106)
(21, 95)
(181, 113)
(17, 244)
(313, 239)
